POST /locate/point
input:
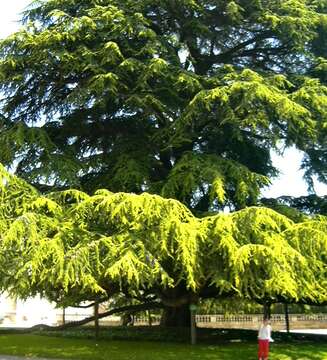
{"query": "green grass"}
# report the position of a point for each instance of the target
(181, 335)
(88, 349)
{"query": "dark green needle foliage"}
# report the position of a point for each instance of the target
(180, 98)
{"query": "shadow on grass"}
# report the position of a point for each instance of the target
(87, 349)
(180, 335)
(299, 352)
(159, 344)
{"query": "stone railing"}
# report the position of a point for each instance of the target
(250, 321)
(275, 318)
(297, 321)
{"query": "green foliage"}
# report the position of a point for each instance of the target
(70, 245)
(298, 208)
(180, 99)
(14, 195)
(140, 96)
(227, 178)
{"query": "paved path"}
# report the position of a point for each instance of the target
(311, 331)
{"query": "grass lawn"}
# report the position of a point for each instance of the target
(88, 349)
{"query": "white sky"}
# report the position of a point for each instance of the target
(290, 181)
(9, 15)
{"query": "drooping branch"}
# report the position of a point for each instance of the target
(147, 245)
(129, 308)
(100, 301)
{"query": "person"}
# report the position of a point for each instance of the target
(264, 337)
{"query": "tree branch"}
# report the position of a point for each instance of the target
(130, 308)
(227, 54)
(100, 301)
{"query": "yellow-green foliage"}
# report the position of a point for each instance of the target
(14, 194)
(72, 243)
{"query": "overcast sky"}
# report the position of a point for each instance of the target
(290, 180)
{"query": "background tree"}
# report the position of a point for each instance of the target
(184, 99)
(71, 247)
(309, 205)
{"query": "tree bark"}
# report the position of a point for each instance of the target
(176, 316)
(193, 328)
(267, 310)
(96, 319)
(287, 320)
(149, 317)
(63, 316)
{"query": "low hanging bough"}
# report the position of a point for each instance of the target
(71, 247)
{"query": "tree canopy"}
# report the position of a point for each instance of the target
(309, 205)
(184, 99)
(159, 113)
(70, 247)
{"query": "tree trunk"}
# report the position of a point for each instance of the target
(176, 316)
(63, 316)
(96, 319)
(193, 328)
(287, 320)
(149, 317)
(266, 310)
